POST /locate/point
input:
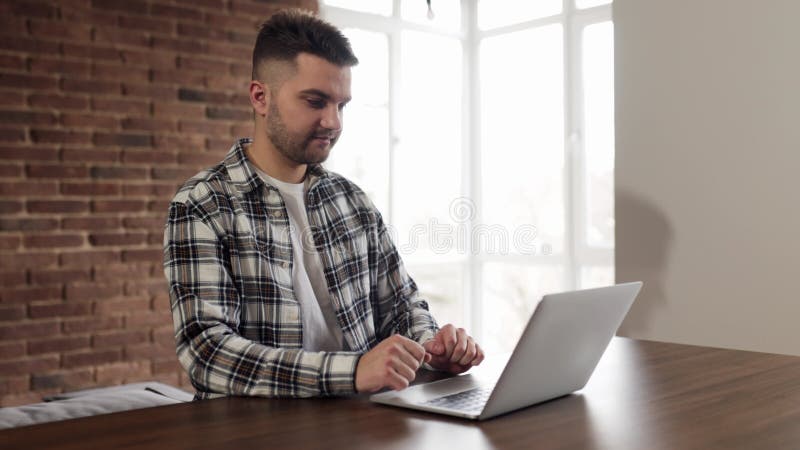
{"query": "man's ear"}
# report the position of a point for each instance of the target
(259, 97)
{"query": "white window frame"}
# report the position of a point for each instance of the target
(577, 253)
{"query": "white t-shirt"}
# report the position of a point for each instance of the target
(321, 331)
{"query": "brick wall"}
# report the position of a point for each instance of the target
(106, 107)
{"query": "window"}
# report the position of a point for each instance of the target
(483, 130)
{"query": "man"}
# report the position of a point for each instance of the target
(283, 279)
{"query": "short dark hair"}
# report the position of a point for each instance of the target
(291, 32)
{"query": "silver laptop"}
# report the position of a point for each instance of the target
(556, 354)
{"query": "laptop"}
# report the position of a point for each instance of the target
(555, 356)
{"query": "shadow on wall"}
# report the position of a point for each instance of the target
(643, 238)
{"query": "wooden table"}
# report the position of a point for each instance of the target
(643, 395)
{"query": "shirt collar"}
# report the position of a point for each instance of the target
(246, 179)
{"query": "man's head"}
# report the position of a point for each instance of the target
(301, 82)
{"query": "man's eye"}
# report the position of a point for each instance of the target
(316, 104)
(341, 106)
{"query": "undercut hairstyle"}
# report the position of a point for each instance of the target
(291, 32)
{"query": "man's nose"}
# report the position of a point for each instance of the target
(332, 118)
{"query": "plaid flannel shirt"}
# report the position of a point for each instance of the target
(228, 261)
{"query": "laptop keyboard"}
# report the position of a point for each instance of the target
(471, 400)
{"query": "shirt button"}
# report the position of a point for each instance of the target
(277, 214)
(285, 264)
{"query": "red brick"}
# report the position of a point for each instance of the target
(147, 24)
(226, 82)
(58, 101)
(90, 223)
(229, 113)
(84, 258)
(19, 81)
(167, 365)
(88, 121)
(123, 139)
(123, 372)
(14, 385)
(129, 6)
(161, 190)
(150, 91)
(90, 155)
(155, 238)
(28, 188)
(59, 66)
(158, 206)
(12, 312)
(9, 98)
(201, 31)
(120, 272)
(12, 135)
(53, 241)
(94, 52)
(194, 95)
(56, 171)
(218, 146)
(241, 130)
(148, 351)
(57, 206)
(91, 291)
(60, 136)
(54, 29)
(34, 9)
(28, 45)
(27, 330)
(179, 45)
(121, 306)
(152, 255)
(28, 366)
(119, 338)
(178, 110)
(92, 189)
(90, 86)
(16, 117)
(118, 36)
(120, 73)
(46, 310)
(257, 9)
(29, 294)
(66, 380)
(139, 156)
(59, 276)
(212, 4)
(242, 70)
(155, 60)
(117, 239)
(92, 324)
(201, 64)
(121, 106)
(10, 170)
(58, 344)
(204, 127)
(230, 50)
(10, 207)
(12, 24)
(144, 222)
(83, 14)
(12, 350)
(165, 173)
(35, 153)
(233, 22)
(176, 12)
(107, 206)
(171, 76)
(137, 123)
(13, 278)
(10, 242)
(118, 172)
(28, 224)
(18, 260)
(12, 61)
(92, 358)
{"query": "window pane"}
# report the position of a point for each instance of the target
(498, 13)
(362, 153)
(522, 130)
(510, 294)
(441, 286)
(598, 88)
(446, 13)
(382, 7)
(427, 163)
(590, 3)
(597, 276)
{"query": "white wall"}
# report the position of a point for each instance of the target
(708, 170)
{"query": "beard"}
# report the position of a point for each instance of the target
(297, 148)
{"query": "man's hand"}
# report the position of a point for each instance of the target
(393, 363)
(453, 350)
